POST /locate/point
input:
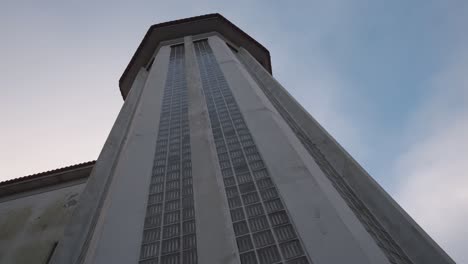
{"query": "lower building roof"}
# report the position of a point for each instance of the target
(47, 178)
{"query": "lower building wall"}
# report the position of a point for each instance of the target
(31, 223)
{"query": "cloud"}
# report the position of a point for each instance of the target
(433, 171)
(302, 65)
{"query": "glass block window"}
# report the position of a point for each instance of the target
(169, 228)
(264, 232)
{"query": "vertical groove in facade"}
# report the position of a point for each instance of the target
(392, 250)
(169, 227)
(263, 229)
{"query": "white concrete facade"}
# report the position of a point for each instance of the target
(109, 223)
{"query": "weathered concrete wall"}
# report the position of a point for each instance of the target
(31, 223)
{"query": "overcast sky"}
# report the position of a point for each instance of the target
(388, 79)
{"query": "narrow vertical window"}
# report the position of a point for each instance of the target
(169, 227)
(263, 229)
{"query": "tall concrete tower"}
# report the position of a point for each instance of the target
(212, 161)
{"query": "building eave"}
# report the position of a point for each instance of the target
(47, 178)
(189, 26)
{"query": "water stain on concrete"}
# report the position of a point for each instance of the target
(55, 214)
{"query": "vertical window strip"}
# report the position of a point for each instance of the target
(169, 228)
(263, 229)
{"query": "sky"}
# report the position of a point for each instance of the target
(387, 79)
